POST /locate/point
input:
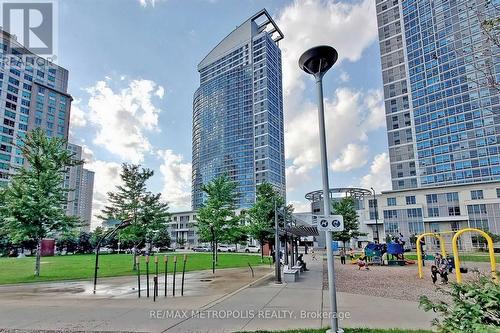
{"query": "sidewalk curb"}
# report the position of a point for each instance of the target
(223, 298)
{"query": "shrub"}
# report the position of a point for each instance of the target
(474, 307)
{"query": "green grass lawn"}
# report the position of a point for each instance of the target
(347, 330)
(480, 257)
(79, 267)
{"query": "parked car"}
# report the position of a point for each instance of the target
(201, 249)
(252, 249)
(165, 249)
(102, 250)
(226, 248)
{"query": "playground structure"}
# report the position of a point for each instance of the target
(376, 252)
(454, 244)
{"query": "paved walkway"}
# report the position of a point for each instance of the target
(224, 304)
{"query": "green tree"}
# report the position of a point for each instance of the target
(95, 236)
(84, 244)
(154, 217)
(33, 200)
(67, 241)
(162, 238)
(473, 307)
(132, 201)
(261, 214)
(218, 211)
(347, 209)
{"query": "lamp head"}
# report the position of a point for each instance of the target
(318, 60)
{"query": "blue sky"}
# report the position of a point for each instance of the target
(133, 71)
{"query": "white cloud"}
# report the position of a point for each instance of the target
(380, 174)
(296, 176)
(350, 115)
(107, 177)
(146, 3)
(300, 206)
(352, 157)
(344, 76)
(349, 118)
(77, 117)
(122, 117)
(349, 27)
(176, 175)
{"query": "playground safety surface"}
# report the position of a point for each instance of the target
(397, 282)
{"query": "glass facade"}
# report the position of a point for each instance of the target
(441, 75)
(238, 114)
(32, 94)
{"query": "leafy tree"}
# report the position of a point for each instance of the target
(33, 200)
(154, 218)
(473, 307)
(162, 238)
(261, 214)
(68, 241)
(346, 208)
(95, 236)
(146, 211)
(218, 212)
(84, 244)
(5, 243)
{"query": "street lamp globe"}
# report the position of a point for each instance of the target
(318, 60)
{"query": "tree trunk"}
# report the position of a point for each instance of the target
(261, 251)
(38, 256)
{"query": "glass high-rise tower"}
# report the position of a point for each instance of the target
(238, 112)
(33, 94)
(441, 86)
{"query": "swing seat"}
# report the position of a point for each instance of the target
(464, 269)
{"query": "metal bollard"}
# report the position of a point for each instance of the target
(166, 273)
(183, 271)
(147, 276)
(175, 270)
(155, 283)
(156, 276)
(137, 261)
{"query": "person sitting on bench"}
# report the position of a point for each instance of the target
(301, 262)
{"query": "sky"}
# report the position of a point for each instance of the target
(133, 71)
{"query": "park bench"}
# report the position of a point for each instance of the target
(291, 275)
(300, 268)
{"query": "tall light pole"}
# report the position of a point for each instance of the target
(375, 206)
(276, 245)
(317, 61)
(212, 231)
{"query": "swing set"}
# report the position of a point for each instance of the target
(454, 244)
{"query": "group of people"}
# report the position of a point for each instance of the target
(442, 267)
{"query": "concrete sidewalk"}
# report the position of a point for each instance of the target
(225, 304)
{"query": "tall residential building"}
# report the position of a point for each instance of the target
(81, 183)
(33, 93)
(86, 196)
(441, 87)
(238, 112)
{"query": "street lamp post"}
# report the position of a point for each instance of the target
(277, 267)
(375, 206)
(111, 232)
(213, 247)
(317, 61)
